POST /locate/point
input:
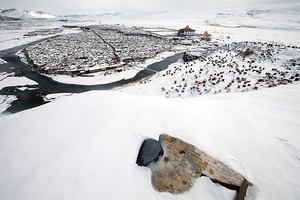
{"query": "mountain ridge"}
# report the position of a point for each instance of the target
(25, 14)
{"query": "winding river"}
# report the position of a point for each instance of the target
(33, 96)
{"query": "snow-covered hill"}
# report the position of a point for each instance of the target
(24, 14)
(283, 9)
(85, 146)
(5, 18)
(279, 16)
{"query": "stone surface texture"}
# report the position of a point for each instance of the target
(182, 163)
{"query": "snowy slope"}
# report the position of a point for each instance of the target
(85, 146)
(225, 70)
(24, 14)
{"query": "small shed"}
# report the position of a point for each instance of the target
(206, 36)
(187, 31)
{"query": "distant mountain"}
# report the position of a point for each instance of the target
(5, 18)
(111, 14)
(24, 14)
(282, 9)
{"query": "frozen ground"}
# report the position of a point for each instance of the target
(12, 38)
(2, 61)
(54, 97)
(10, 80)
(5, 101)
(84, 146)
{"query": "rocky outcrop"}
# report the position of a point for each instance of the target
(150, 151)
(182, 163)
(189, 56)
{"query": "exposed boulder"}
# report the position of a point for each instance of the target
(189, 56)
(150, 151)
(182, 163)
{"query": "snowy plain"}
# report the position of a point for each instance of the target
(84, 146)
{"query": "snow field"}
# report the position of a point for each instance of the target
(5, 102)
(90, 150)
(9, 80)
(11, 38)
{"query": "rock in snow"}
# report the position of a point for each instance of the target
(85, 146)
(150, 151)
(183, 163)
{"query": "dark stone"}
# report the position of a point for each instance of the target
(189, 57)
(150, 151)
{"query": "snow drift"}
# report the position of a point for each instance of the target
(85, 146)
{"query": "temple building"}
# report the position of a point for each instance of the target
(187, 31)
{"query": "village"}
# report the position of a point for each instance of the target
(105, 47)
(236, 67)
(96, 48)
(206, 67)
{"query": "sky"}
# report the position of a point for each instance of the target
(98, 6)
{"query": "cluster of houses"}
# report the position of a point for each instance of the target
(132, 43)
(97, 47)
(69, 53)
(43, 32)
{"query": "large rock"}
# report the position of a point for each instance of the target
(182, 163)
(150, 151)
